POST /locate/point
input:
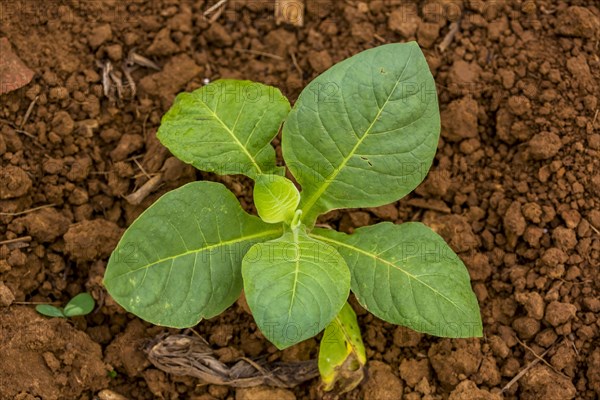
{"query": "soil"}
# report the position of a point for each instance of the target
(515, 188)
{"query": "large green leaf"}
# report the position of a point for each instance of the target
(226, 127)
(294, 286)
(364, 133)
(180, 261)
(407, 274)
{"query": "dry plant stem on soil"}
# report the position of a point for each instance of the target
(112, 80)
(16, 240)
(296, 65)
(449, 36)
(185, 355)
(217, 9)
(541, 359)
(524, 371)
(28, 112)
(26, 211)
(151, 185)
(22, 132)
(214, 7)
(380, 38)
(259, 53)
(141, 168)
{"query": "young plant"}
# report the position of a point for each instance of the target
(82, 304)
(362, 134)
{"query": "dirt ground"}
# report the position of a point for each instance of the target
(515, 187)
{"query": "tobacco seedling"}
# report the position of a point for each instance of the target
(82, 304)
(362, 134)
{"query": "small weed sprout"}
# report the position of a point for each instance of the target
(82, 304)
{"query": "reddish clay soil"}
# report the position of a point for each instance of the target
(515, 188)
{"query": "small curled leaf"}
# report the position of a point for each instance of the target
(276, 198)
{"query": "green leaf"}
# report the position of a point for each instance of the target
(364, 133)
(49, 311)
(342, 353)
(276, 198)
(294, 286)
(407, 275)
(82, 304)
(226, 127)
(180, 261)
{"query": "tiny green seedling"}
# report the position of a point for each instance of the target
(362, 134)
(82, 304)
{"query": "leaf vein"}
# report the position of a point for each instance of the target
(390, 265)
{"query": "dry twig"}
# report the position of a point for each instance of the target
(127, 72)
(259, 53)
(295, 62)
(524, 370)
(134, 60)
(438, 206)
(141, 168)
(138, 196)
(216, 15)
(380, 38)
(22, 132)
(26, 211)
(28, 112)
(214, 7)
(29, 135)
(16, 240)
(449, 36)
(541, 359)
(106, 68)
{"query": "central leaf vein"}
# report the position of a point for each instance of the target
(232, 134)
(200, 250)
(296, 272)
(390, 265)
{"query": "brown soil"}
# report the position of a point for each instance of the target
(515, 188)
